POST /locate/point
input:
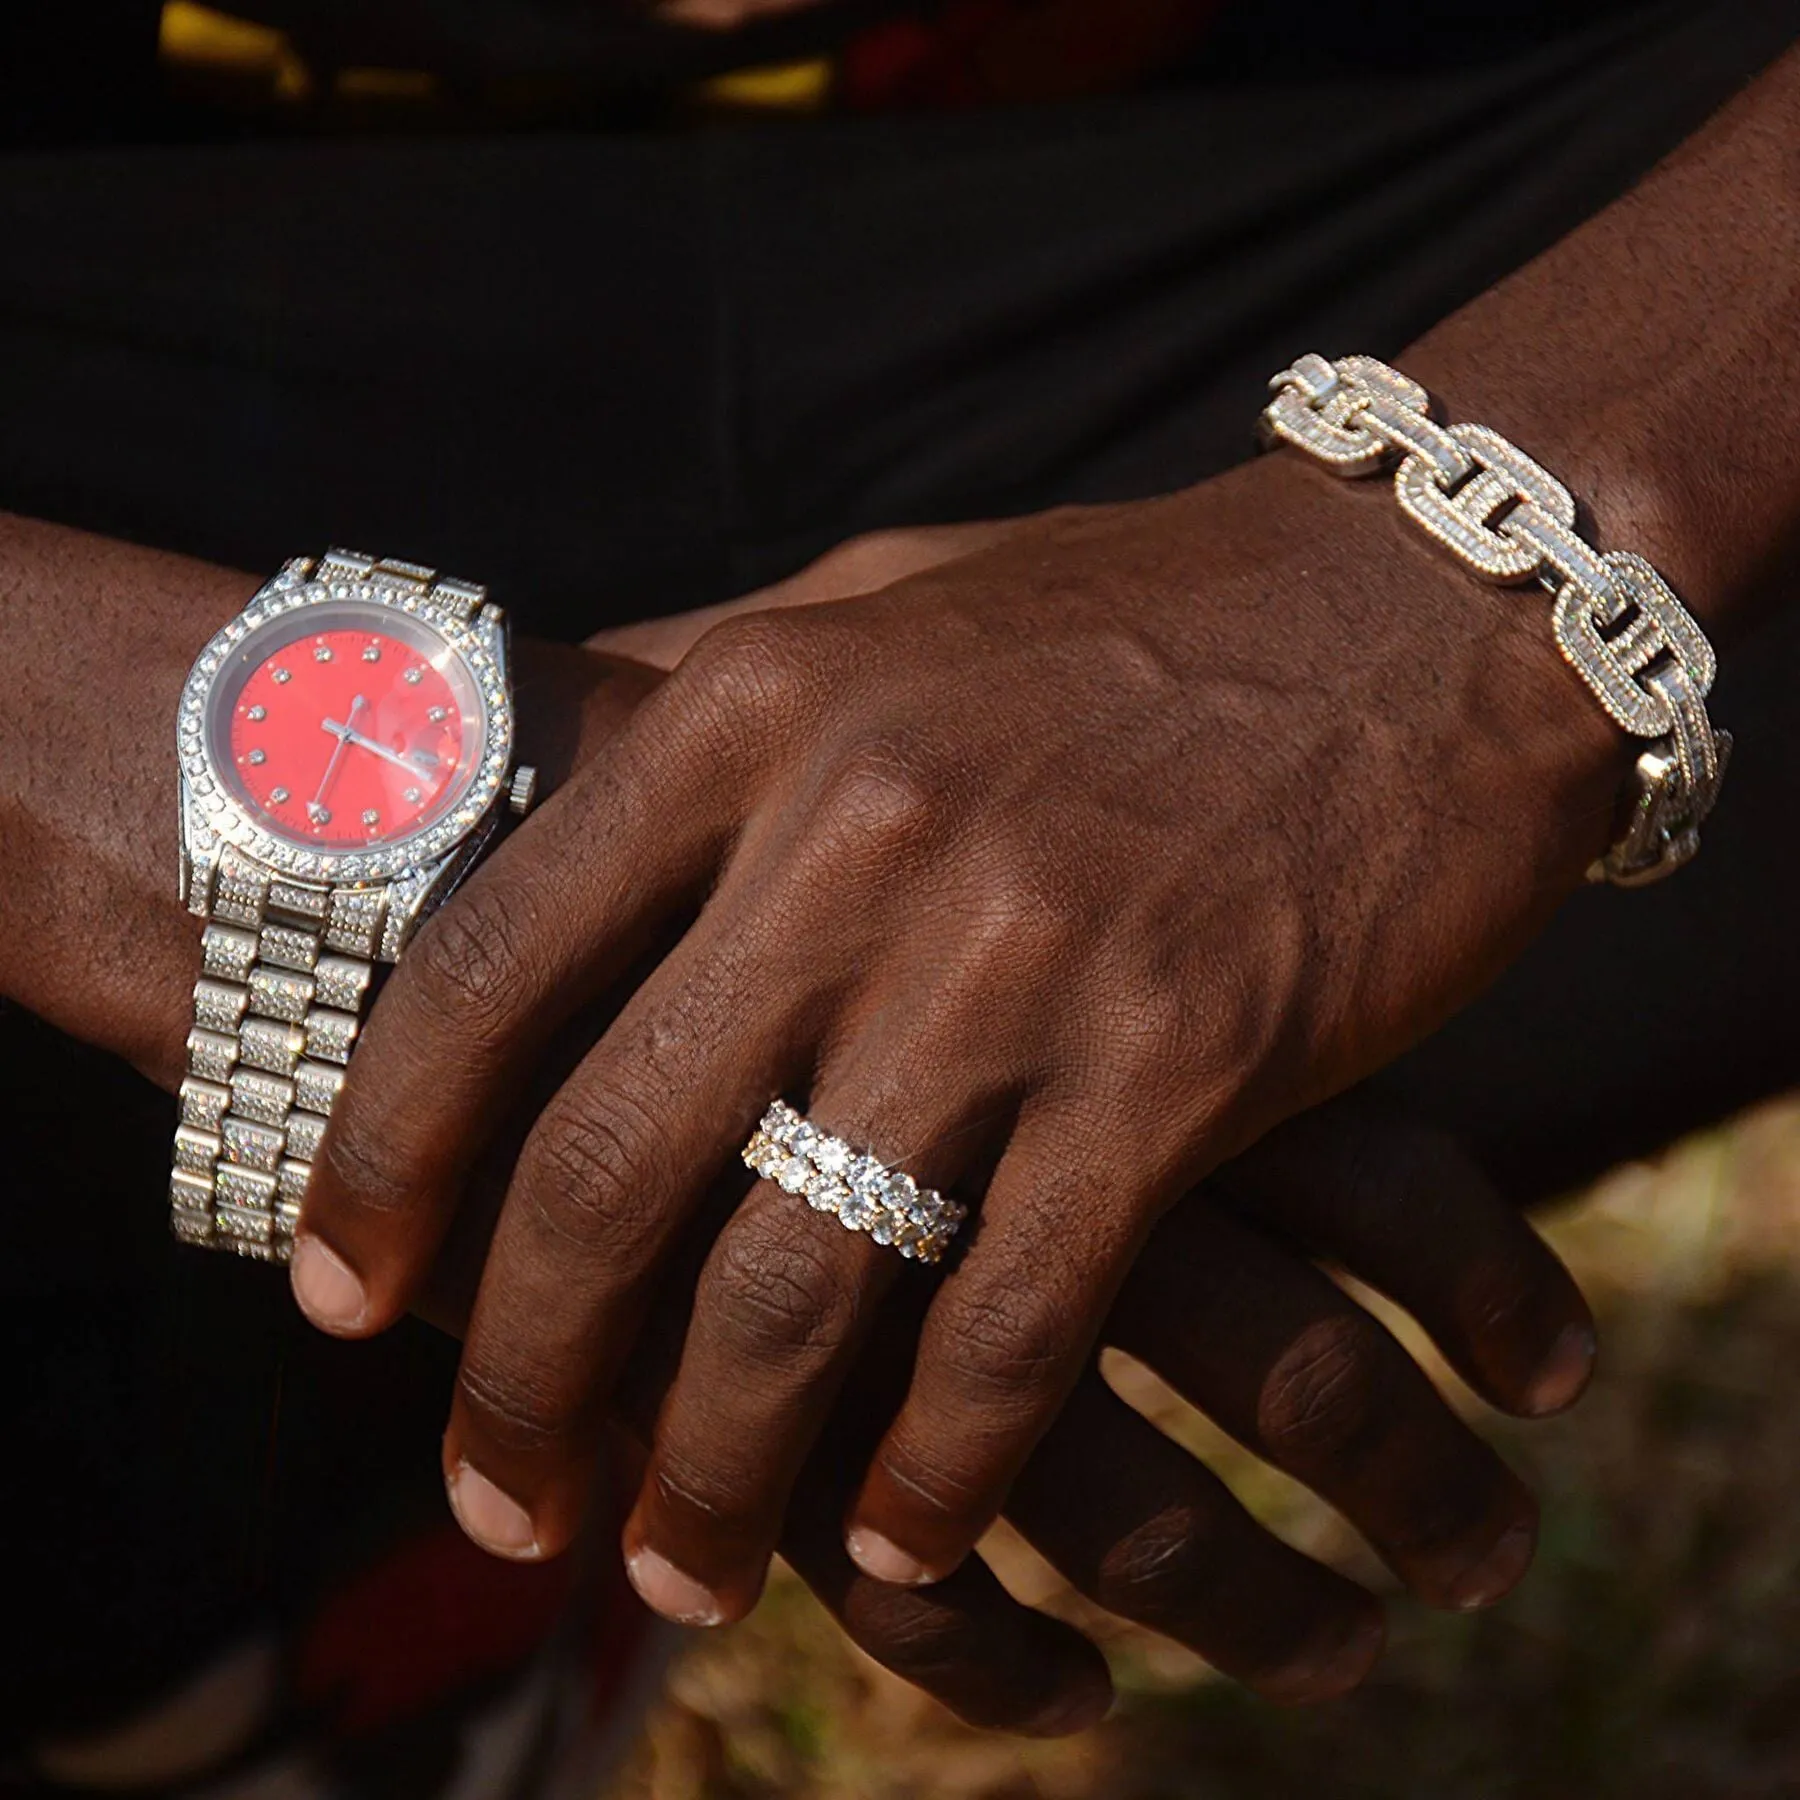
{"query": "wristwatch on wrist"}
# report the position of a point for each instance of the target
(345, 748)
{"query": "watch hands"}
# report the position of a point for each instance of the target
(315, 807)
(420, 762)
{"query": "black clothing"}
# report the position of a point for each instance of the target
(619, 375)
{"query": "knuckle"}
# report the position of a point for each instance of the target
(702, 1495)
(1021, 921)
(750, 672)
(1165, 1571)
(510, 1409)
(591, 1175)
(931, 1487)
(1507, 1298)
(1326, 1397)
(469, 960)
(368, 1165)
(1008, 1344)
(920, 1639)
(779, 1296)
(888, 799)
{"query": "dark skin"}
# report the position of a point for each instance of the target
(1227, 1306)
(1062, 872)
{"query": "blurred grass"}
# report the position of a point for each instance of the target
(1653, 1652)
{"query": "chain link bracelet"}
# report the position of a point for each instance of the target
(1508, 519)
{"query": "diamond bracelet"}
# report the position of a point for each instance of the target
(1507, 519)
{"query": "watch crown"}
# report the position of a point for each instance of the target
(523, 790)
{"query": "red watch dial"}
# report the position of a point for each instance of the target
(349, 738)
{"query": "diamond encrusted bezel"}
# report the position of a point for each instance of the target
(476, 642)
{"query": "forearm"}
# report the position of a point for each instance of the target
(96, 638)
(1649, 357)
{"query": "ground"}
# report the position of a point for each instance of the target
(1653, 1652)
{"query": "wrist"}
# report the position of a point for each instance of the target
(1653, 470)
(1514, 739)
(1507, 520)
(97, 638)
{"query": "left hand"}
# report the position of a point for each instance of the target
(1062, 871)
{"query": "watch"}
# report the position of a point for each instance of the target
(345, 748)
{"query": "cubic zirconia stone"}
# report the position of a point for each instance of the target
(832, 1155)
(317, 1086)
(257, 1095)
(827, 1194)
(203, 1103)
(305, 1133)
(195, 1150)
(795, 1175)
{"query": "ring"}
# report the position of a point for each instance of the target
(861, 1193)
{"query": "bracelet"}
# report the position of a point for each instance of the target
(1618, 624)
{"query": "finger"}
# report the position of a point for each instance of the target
(995, 1663)
(1008, 1335)
(475, 997)
(785, 1303)
(860, 566)
(608, 1177)
(1402, 1208)
(1137, 1525)
(1284, 1361)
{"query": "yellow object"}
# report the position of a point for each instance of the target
(785, 87)
(238, 60)
(207, 42)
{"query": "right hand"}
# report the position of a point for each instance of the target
(1225, 1307)
(97, 639)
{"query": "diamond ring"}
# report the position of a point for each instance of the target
(860, 1192)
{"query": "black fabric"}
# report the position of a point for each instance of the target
(622, 375)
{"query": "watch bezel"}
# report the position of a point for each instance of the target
(480, 645)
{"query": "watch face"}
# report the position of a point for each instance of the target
(346, 726)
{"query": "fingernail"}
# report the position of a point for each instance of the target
(494, 1520)
(1332, 1667)
(1565, 1372)
(1497, 1573)
(884, 1561)
(666, 1590)
(1080, 1710)
(326, 1287)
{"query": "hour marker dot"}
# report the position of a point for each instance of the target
(321, 653)
(413, 676)
(257, 714)
(371, 653)
(371, 818)
(438, 714)
(256, 758)
(281, 675)
(279, 796)
(413, 796)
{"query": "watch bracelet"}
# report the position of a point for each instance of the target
(286, 969)
(1507, 519)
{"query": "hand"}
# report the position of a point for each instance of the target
(859, 565)
(1226, 1312)
(1063, 871)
